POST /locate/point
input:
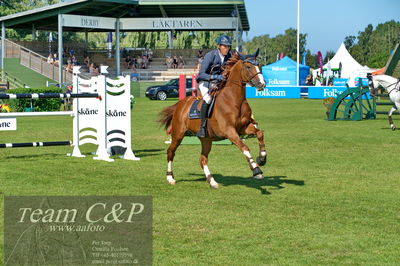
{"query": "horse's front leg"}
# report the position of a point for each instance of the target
(392, 126)
(234, 137)
(253, 130)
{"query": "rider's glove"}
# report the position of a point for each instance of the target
(217, 77)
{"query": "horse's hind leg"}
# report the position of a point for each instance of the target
(234, 137)
(392, 126)
(175, 142)
(206, 145)
(253, 130)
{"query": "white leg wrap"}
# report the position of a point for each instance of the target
(263, 153)
(251, 161)
(247, 154)
(213, 183)
(207, 173)
(171, 180)
(206, 170)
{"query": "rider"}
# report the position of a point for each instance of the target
(210, 72)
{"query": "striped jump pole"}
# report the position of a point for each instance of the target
(35, 144)
(48, 95)
(24, 114)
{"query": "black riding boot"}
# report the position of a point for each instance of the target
(203, 117)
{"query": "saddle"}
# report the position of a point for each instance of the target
(194, 112)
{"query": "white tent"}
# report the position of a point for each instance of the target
(351, 69)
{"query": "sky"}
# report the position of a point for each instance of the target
(326, 22)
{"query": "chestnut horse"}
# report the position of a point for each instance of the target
(231, 117)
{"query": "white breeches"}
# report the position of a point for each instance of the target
(204, 93)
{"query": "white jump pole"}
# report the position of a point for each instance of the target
(60, 113)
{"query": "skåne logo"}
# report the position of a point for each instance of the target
(115, 113)
(88, 111)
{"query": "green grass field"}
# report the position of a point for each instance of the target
(330, 196)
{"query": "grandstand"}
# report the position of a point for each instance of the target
(33, 54)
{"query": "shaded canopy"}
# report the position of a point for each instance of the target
(284, 73)
(46, 18)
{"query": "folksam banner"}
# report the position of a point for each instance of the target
(324, 92)
(273, 92)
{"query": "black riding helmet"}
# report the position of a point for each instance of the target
(224, 40)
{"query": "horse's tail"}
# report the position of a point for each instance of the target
(166, 116)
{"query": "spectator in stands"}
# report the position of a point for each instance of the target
(50, 59)
(330, 81)
(309, 80)
(318, 80)
(128, 62)
(86, 61)
(200, 53)
(168, 62)
(139, 61)
(181, 62)
(174, 62)
(144, 61)
(74, 61)
(69, 64)
(55, 59)
(199, 62)
(132, 64)
(93, 70)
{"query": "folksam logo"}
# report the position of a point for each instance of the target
(273, 92)
(323, 92)
(278, 82)
(332, 92)
(279, 68)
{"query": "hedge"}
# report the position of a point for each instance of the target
(39, 105)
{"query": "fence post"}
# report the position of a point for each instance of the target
(194, 85)
(182, 86)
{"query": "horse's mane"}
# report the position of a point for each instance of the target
(226, 69)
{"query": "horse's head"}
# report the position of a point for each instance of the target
(372, 84)
(251, 70)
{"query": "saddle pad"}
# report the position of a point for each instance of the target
(193, 112)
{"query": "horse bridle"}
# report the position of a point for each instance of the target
(374, 90)
(254, 63)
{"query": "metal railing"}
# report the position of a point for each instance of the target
(35, 61)
(13, 81)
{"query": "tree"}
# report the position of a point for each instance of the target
(349, 41)
(270, 47)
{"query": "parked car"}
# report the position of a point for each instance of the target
(169, 90)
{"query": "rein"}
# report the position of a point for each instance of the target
(253, 62)
(395, 87)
